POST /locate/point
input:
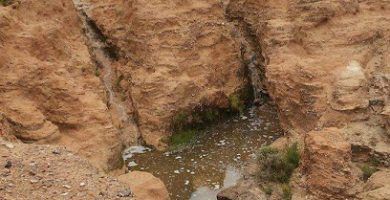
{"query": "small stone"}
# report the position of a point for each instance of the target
(125, 193)
(56, 152)
(66, 186)
(34, 181)
(132, 164)
(65, 193)
(8, 165)
(9, 145)
(82, 184)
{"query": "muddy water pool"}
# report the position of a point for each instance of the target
(216, 158)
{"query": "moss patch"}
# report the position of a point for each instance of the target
(236, 104)
(6, 2)
(181, 140)
(186, 123)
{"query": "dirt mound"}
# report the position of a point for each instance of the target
(49, 172)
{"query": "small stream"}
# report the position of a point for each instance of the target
(100, 55)
(216, 159)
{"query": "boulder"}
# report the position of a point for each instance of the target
(377, 187)
(327, 164)
(145, 186)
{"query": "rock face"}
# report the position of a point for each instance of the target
(175, 55)
(326, 65)
(49, 93)
(317, 69)
(50, 172)
(327, 164)
(145, 186)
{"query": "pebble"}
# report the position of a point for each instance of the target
(65, 193)
(66, 186)
(176, 172)
(34, 181)
(9, 145)
(82, 184)
(125, 193)
(56, 152)
(132, 164)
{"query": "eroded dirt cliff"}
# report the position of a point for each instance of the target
(324, 63)
(49, 93)
(327, 65)
(175, 56)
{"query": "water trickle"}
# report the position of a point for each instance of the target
(100, 53)
(215, 160)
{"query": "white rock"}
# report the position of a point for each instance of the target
(9, 145)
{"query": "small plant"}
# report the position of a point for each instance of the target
(211, 115)
(292, 155)
(97, 72)
(286, 192)
(276, 165)
(368, 170)
(268, 190)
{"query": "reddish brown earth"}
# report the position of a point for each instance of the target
(327, 69)
(176, 55)
(325, 63)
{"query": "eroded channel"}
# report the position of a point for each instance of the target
(216, 158)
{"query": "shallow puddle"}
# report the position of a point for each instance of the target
(215, 160)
